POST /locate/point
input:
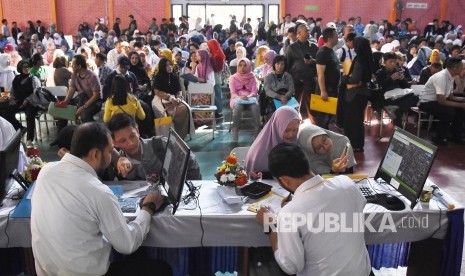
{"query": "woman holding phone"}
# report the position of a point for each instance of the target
(327, 151)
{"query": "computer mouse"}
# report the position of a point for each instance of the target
(390, 199)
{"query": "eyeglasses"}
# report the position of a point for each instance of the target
(322, 145)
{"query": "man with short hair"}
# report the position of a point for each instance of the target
(300, 58)
(358, 26)
(286, 25)
(328, 72)
(437, 99)
(301, 249)
(5, 30)
(428, 71)
(76, 219)
(103, 69)
(146, 155)
(153, 28)
(132, 24)
(86, 84)
(114, 54)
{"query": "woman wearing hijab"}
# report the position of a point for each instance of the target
(204, 70)
(68, 52)
(48, 56)
(357, 94)
(168, 97)
(241, 52)
(143, 79)
(435, 57)
(122, 101)
(217, 59)
(244, 88)
(6, 72)
(39, 48)
(22, 89)
(326, 150)
(267, 67)
(283, 126)
(166, 53)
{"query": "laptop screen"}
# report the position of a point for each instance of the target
(174, 168)
(406, 164)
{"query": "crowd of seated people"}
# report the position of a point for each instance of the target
(299, 39)
(137, 76)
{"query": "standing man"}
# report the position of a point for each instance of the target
(132, 25)
(5, 30)
(15, 31)
(437, 99)
(303, 249)
(329, 73)
(358, 26)
(116, 27)
(301, 61)
(286, 25)
(76, 219)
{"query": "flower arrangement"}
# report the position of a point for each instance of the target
(34, 166)
(230, 173)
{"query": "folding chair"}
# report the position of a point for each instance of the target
(207, 89)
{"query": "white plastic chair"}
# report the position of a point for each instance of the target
(240, 152)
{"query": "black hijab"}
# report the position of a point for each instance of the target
(164, 81)
(138, 70)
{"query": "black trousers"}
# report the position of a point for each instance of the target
(323, 119)
(450, 118)
(404, 104)
(302, 92)
(31, 112)
(354, 112)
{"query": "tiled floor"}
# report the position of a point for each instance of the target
(448, 170)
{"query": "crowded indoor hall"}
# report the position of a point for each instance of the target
(276, 137)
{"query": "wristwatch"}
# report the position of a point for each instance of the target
(152, 206)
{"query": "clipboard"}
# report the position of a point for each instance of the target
(317, 104)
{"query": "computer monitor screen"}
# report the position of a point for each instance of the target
(406, 164)
(9, 158)
(175, 167)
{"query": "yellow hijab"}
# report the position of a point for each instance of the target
(431, 58)
(166, 53)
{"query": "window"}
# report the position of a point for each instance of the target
(273, 13)
(176, 11)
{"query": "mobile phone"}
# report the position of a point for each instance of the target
(345, 152)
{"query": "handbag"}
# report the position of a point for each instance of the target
(163, 125)
(42, 97)
(67, 112)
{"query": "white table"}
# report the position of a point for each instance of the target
(240, 229)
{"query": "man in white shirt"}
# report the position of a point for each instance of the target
(76, 219)
(286, 25)
(47, 39)
(437, 99)
(114, 54)
(303, 251)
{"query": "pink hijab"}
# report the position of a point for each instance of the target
(268, 66)
(242, 84)
(204, 67)
(270, 136)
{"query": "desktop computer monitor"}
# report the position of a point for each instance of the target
(406, 164)
(9, 158)
(174, 169)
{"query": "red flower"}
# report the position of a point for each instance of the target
(30, 152)
(34, 173)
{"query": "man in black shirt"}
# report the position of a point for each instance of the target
(230, 52)
(329, 73)
(300, 58)
(116, 27)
